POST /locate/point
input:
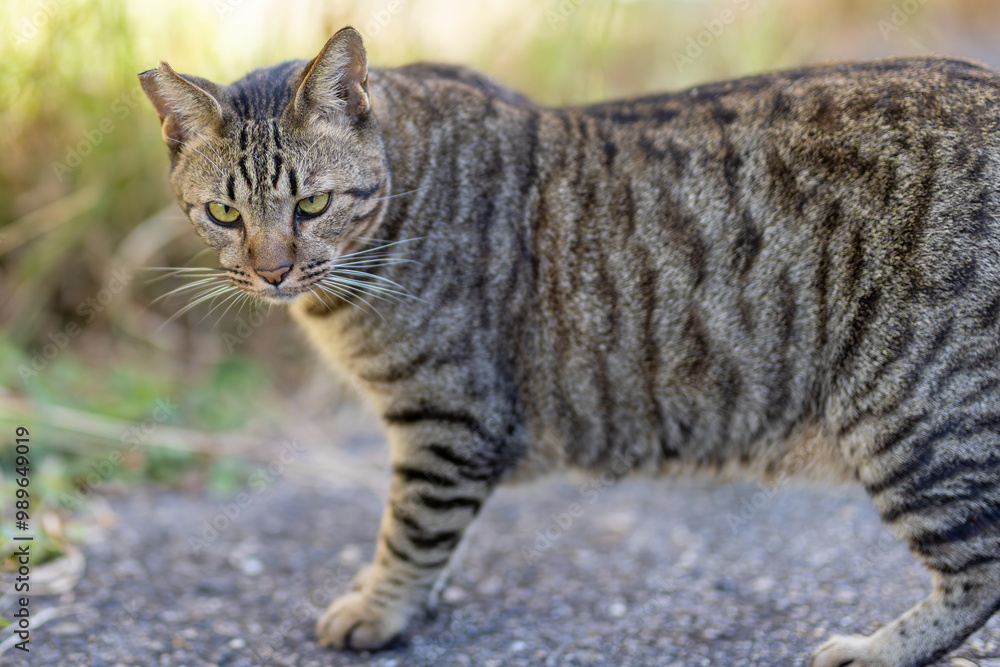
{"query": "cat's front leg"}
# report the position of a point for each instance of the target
(438, 486)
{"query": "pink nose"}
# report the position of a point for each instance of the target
(274, 276)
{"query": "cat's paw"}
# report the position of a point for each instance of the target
(841, 651)
(354, 623)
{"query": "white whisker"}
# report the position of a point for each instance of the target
(383, 247)
(190, 286)
(199, 135)
(201, 298)
(387, 261)
(230, 300)
(187, 274)
(244, 300)
(358, 287)
(408, 192)
(199, 153)
(309, 150)
(346, 295)
(404, 292)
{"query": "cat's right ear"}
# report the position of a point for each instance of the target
(186, 105)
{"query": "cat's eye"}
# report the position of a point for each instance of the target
(223, 214)
(314, 205)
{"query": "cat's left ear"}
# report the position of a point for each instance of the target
(336, 81)
(186, 104)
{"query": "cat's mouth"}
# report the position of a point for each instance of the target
(280, 293)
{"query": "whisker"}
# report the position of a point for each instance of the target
(207, 294)
(376, 262)
(376, 256)
(340, 275)
(190, 286)
(183, 269)
(199, 253)
(346, 296)
(204, 296)
(316, 297)
(230, 300)
(408, 192)
(199, 153)
(383, 247)
(313, 291)
(403, 292)
(246, 298)
(199, 135)
(365, 239)
(187, 273)
(356, 286)
(309, 150)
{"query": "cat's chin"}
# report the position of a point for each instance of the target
(280, 296)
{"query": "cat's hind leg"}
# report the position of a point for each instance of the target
(937, 485)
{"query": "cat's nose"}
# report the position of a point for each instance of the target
(274, 276)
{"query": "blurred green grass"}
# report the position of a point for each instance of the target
(86, 354)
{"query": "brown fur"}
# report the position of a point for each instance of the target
(795, 273)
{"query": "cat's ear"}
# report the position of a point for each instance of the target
(186, 105)
(336, 81)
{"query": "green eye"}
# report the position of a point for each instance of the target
(223, 214)
(313, 205)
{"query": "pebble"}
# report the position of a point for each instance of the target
(617, 609)
(453, 594)
(350, 555)
(65, 629)
(251, 567)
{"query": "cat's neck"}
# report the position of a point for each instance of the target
(403, 111)
(439, 133)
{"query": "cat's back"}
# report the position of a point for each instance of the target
(812, 127)
(835, 97)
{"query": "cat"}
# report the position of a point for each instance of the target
(789, 274)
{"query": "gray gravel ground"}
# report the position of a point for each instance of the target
(650, 573)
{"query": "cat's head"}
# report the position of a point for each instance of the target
(281, 172)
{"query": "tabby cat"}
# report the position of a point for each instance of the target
(795, 273)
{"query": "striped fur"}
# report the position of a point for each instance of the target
(795, 273)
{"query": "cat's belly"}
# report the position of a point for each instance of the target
(807, 451)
